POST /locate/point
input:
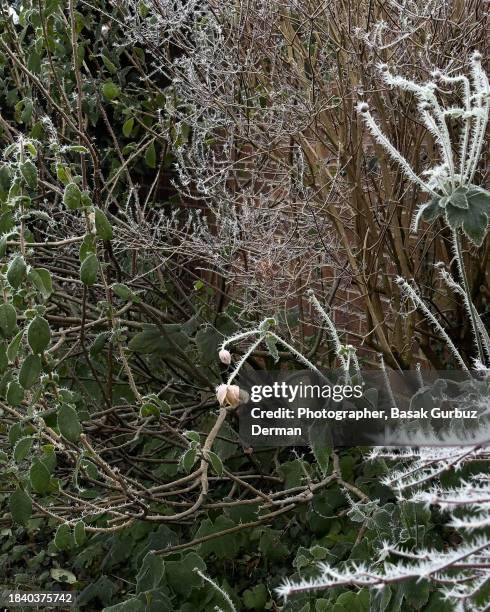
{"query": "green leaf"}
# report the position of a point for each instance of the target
(224, 547)
(180, 574)
(30, 371)
(69, 423)
(13, 347)
(3, 358)
(20, 506)
(208, 340)
(29, 174)
(38, 334)
(99, 343)
(151, 156)
(150, 573)
(256, 597)
(79, 533)
(215, 462)
(475, 226)
(102, 225)
(22, 448)
(271, 342)
(15, 393)
(63, 539)
(39, 477)
(110, 91)
(188, 459)
(432, 210)
(34, 62)
(458, 198)
(8, 320)
(89, 269)
(62, 174)
(87, 246)
(128, 127)
(41, 279)
(159, 339)
(321, 452)
(72, 196)
(16, 271)
(109, 65)
(3, 245)
(122, 291)
(62, 575)
(130, 605)
(416, 592)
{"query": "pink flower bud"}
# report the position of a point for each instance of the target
(221, 393)
(225, 356)
(228, 395)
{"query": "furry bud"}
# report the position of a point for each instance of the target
(225, 356)
(228, 395)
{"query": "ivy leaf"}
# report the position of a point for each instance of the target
(20, 506)
(8, 320)
(208, 339)
(102, 225)
(72, 196)
(69, 423)
(30, 371)
(38, 334)
(224, 547)
(150, 573)
(256, 598)
(180, 574)
(16, 271)
(89, 269)
(39, 477)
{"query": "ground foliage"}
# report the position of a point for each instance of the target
(114, 479)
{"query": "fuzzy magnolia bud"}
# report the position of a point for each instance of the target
(225, 356)
(363, 107)
(228, 395)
